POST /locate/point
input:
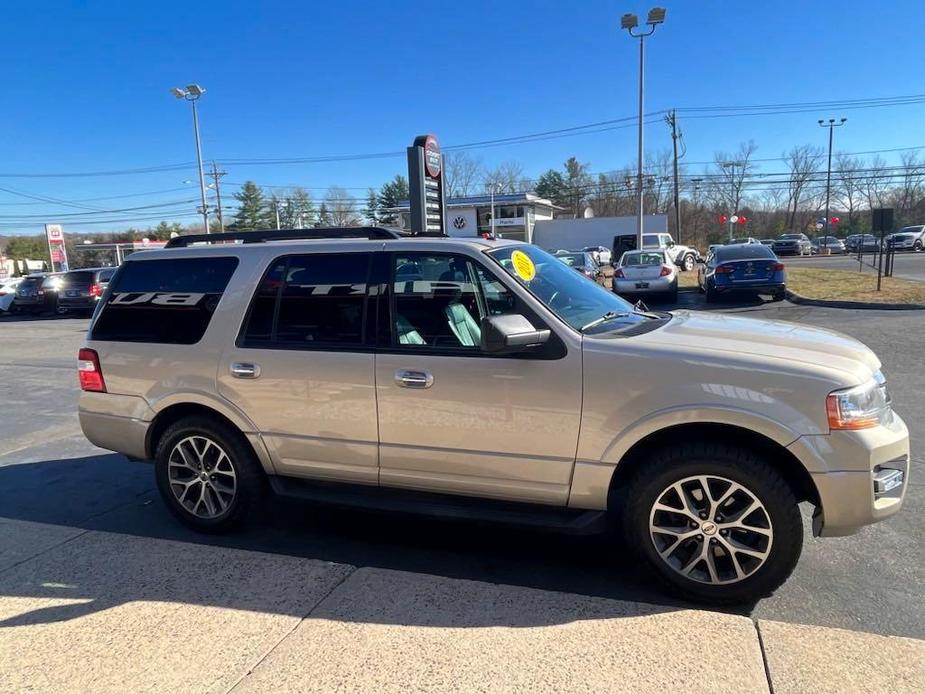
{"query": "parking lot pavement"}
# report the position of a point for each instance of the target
(910, 266)
(50, 475)
(113, 612)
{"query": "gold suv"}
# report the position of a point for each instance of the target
(485, 378)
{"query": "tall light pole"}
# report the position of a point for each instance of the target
(191, 93)
(831, 125)
(629, 22)
(491, 190)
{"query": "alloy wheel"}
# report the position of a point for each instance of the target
(201, 477)
(711, 529)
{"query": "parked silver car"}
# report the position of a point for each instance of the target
(464, 375)
(910, 238)
(646, 272)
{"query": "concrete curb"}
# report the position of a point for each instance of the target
(795, 298)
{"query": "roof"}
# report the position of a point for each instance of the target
(296, 244)
(501, 199)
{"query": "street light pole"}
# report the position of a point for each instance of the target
(191, 93)
(629, 22)
(491, 190)
(831, 125)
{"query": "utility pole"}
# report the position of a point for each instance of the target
(831, 125)
(732, 196)
(672, 120)
(216, 176)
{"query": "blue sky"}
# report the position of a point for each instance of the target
(86, 87)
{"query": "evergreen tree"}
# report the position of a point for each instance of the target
(372, 207)
(251, 212)
(553, 186)
(389, 196)
(302, 208)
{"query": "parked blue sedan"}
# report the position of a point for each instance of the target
(747, 268)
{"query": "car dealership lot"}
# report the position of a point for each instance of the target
(49, 474)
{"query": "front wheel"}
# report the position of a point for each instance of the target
(917, 247)
(208, 475)
(715, 522)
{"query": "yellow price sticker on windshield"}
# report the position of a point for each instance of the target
(523, 265)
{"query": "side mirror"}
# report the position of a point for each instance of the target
(510, 333)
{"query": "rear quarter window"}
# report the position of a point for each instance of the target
(168, 301)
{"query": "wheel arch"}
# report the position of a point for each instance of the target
(176, 411)
(783, 460)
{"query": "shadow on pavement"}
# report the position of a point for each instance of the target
(106, 493)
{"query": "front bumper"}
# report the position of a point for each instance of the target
(847, 468)
(662, 284)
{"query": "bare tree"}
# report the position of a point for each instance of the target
(876, 182)
(463, 174)
(803, 164)
(728, 179)
(658, 181)
(849, 187)
(508, 176)
(909, 190)
(341, 208)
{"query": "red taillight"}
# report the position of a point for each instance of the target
(96, 290)
(724, 269)
(88, 369)
(665, 271)
(2, 293)
(778, 267)
(619, 273)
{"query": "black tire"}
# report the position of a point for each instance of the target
(688, 263)
(779, 296)
(740, 465)
(250, 488)
(671, 295)
(917, 246)
(711, 295)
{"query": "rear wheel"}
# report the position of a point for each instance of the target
(715, 522)
(208, 475)
(688, 262)
(711, 295)
(917, 247)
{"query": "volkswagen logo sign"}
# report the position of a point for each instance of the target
(459, 222)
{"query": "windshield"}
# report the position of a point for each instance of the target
(790, 237)
(572, 259)
(575, 299)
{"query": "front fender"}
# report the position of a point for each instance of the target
(673, 416)
(591, 479)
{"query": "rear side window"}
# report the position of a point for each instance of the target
(308, 301)
(163, 301)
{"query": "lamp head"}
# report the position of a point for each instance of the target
(179, 93)
(629, 21)
(195, 90)
(656, 16)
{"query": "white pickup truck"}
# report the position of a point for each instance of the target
(684, 257)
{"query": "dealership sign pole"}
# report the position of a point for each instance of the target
(57, 253)
(425, 182)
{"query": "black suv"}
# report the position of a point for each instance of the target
(80, 290)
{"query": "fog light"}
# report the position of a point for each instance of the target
(886, 480)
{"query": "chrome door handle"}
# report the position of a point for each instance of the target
(241, 369)
(414, 379)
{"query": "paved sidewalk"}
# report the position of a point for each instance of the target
(92, 611)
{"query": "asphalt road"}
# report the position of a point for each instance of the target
(906, 265)
(873, 581)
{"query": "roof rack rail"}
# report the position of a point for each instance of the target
(287, 235)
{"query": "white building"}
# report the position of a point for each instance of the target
(516, 215)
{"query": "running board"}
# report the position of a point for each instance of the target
(444, 506)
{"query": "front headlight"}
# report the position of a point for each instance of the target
(860, 407)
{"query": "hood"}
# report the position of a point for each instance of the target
(716, 334)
